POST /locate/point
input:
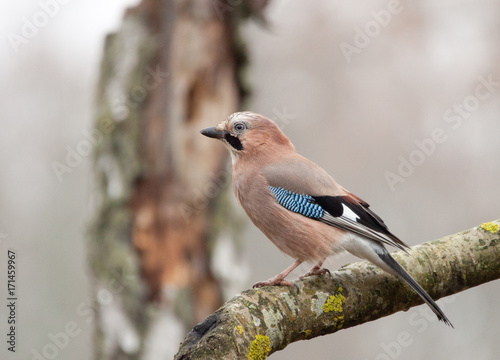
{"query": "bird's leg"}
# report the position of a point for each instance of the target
(317, 269)
(280, 278)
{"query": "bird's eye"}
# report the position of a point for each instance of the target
(239, 127)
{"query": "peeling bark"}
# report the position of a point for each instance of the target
(261, 321)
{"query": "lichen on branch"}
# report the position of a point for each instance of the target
(355, 294)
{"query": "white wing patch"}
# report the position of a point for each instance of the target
(348, 222)
(348, 213)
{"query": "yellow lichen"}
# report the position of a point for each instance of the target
(490, 226)
(260, 348)
(335, 303)
(240, 329)
(308, 333)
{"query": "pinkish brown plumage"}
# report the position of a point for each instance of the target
(299, 206)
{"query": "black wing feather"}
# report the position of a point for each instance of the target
(366, 223)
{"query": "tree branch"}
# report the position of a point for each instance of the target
(258, 322)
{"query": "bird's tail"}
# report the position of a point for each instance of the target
(398, 270)
(378, 255)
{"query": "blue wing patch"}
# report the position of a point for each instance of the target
(338, 211)
(301, 204)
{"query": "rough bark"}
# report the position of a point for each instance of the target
(173, 68)
(259, 322)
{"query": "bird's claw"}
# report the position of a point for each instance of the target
(273, 282)
(276, 282)
(316, 271)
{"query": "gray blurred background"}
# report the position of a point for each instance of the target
(355, 104)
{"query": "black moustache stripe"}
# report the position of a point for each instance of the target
(233, 141)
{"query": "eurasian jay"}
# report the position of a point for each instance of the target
(301, 208)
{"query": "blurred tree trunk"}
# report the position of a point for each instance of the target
(173, 68)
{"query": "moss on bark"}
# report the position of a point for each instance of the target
(355, 294)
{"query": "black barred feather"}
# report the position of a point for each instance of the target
(339, 211)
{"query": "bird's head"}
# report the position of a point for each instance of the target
(248, 134)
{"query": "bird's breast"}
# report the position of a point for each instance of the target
(294, 234)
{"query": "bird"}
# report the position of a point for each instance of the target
(300, 207)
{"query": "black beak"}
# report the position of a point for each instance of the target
(213, 133)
